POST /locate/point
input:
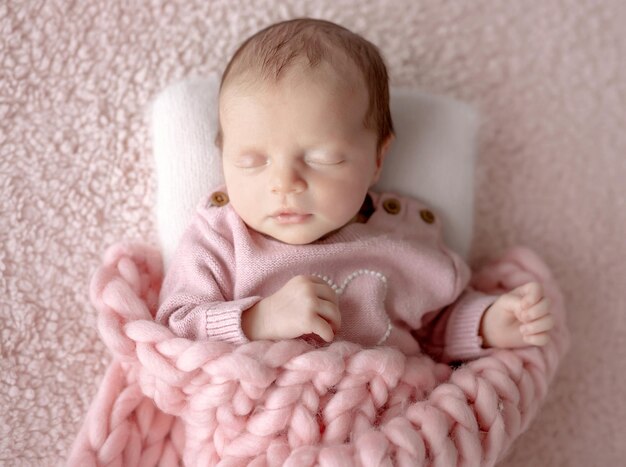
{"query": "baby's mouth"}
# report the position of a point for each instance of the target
(290, 217)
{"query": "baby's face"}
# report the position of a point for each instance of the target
(297, 158)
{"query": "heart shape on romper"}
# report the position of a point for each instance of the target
(361, 299)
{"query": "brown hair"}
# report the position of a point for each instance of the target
(272, 50)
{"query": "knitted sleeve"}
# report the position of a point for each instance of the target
(196, 297)
(452, 333)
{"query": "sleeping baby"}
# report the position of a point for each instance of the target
(296, 245)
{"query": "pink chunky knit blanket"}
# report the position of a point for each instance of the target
(167, 400)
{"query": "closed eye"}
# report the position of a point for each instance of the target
(324, 159)
(250, 161)
(316, 162)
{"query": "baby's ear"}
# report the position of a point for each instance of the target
(380, 157)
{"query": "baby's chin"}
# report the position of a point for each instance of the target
(315, 227)
(294, 237)
(296, 234)
(303, 236)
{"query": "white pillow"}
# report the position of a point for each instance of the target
(431, 159)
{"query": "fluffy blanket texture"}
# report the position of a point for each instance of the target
(288, 403)
(547, 76)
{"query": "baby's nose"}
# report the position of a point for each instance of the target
(286, 179)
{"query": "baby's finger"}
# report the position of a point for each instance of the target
(543, 324)
(537, 311)
(510, 303)
(537, 339)
(321, 327)
(530, 293)
(325, 292)
(329, 311)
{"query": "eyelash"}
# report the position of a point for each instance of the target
(318, 162)
(254, 165)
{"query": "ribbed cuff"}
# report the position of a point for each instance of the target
(223, 323)
(462, 340)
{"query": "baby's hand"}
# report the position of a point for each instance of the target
(304, 305)
(518, 318)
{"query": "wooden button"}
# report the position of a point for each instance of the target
(391, 205)
(219, 199)
(427, 216)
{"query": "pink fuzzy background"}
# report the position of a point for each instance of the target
(76, 175)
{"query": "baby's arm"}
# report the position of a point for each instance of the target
(196, 297)
(197, 300)
(518, 318)
(477, 322)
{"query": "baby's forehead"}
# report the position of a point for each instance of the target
(299, 103)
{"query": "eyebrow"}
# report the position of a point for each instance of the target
(248, 150)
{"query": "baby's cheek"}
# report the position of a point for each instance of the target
(246, 207)
(340, 213)
(349, 193)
